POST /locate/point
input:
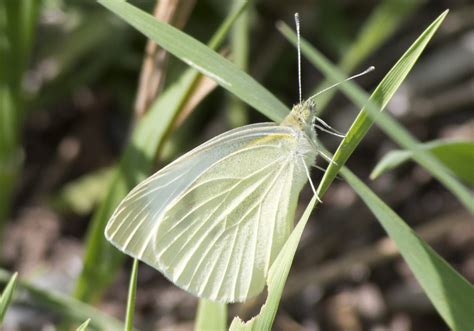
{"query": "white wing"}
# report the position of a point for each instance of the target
(214, 220)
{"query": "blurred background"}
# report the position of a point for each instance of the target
(75, 81)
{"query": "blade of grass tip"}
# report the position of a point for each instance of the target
(7, 296)
(200, 57)
(211, 316)
(83, 326)
(64, 305)
(373, 108)
(132, 293)
(450, 293)
(101, 260)
(379, 27)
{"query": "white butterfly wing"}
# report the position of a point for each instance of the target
(214, 220)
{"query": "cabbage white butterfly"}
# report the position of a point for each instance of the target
(214, 220)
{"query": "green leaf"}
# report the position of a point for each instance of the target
(200, 57)
(65, 306)
(458, 156)
(372, 112)
(211, 316)
(101, 260)
(450, 293)
(277, 276)
(83, 326)
(7, 295)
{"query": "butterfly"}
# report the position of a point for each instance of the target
(214, 220)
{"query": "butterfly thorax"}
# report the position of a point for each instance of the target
(302, 117)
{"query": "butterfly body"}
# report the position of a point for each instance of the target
(214, 220)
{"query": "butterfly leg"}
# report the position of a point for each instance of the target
(319, 168)
(327, 128)
(327, 158)
(310, 181)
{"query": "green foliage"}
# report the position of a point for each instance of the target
(457, 156)
(228, 76)
(451, 307)
(450, 293)
(201, 58)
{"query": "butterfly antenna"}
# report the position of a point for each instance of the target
(366, 71)
(298, 36)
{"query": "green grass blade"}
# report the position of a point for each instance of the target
(457, 156)
(280, 268)
(101, 260)
(7, 296)
(372, 111)
(83, 326)
(65, 306)
(277, 276)
(211, 316)
(17, 28)
(450, 293)
(381, 24)
(132, 294)
(451, 280)
(237, 112)
(200, 57)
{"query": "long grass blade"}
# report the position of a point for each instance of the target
(277, 276)
(372, 112)
(132, 293)
(17, 27)
(280, 268)
(200, 57)
(450, 293)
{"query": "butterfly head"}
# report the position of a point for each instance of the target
(302, 117)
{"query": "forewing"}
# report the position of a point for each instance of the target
(214, 220)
